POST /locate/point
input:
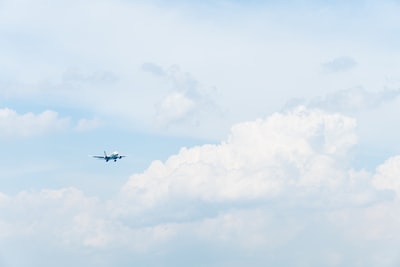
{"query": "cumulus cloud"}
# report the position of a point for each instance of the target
(260, 159)
(278, 192)
(13, 124)
(271, 185)
(280, 189)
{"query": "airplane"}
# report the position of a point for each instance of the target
(113, 156)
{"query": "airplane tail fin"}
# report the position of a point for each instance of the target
(105, 154)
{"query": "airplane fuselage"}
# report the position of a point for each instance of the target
(113, 156)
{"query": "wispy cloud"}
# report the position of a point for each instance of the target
(94, 78)
(351, 100)
(153, 69)
(340, 64)
(255, 54)
(84, 125)
(187, 101)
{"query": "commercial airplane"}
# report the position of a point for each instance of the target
(113, 156)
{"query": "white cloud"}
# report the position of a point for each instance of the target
(187, 103)
(174, 107)
(280, 191)
(272, 185)
(280, 185)
(387, 176)
(13, 124)
(249, 229)
(259, 160)
(49, 214)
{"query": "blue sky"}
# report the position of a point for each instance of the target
(258, 133)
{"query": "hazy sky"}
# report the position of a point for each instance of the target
(258, 133)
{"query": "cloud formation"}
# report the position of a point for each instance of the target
(386, 177)
(186, 101)
(259, 160)
(256, 54)
(13, 124)
(280, 189)
(174, 107)
(273, 185)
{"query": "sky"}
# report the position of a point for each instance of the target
(257, 133)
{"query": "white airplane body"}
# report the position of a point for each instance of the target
(113, 156)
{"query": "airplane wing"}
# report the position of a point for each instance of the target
(99, 157)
